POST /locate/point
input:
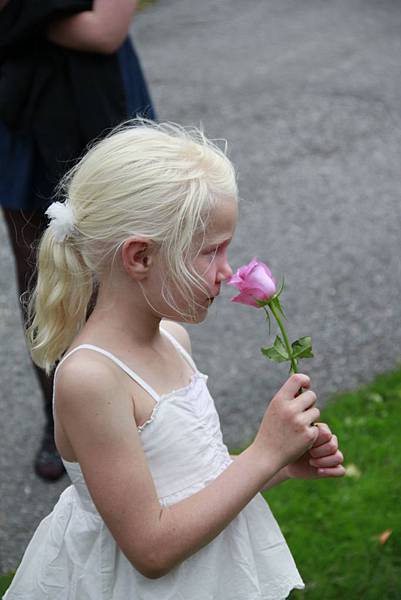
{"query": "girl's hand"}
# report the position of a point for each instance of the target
(287, 430)
(324, 459)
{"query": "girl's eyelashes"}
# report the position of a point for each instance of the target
(215, 249)
(209, 251)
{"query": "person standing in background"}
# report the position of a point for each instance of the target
(68, 74)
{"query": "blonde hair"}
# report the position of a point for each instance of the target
(157, 181)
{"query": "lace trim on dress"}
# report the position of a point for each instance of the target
(151, 418)
(178, 392)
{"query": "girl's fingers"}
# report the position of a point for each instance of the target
(324, 436)
(293, 385)
(333, 472)
(306, 400)
(325, 449)
(327, 461)
(311, 415)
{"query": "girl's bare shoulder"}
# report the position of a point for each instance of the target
(88, 375)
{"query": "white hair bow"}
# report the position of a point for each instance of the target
(61, 220)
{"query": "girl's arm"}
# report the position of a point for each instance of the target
(102, 29)
(278, 478)
(96, 415)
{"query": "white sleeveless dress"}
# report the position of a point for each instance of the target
(73, 556)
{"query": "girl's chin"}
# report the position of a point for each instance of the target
(201, 313)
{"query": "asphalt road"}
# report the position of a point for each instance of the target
(308, 95)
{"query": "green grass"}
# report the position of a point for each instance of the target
(5, 581)
(333, 526)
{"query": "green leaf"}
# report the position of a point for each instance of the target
(272, 354)
(277, 352)
(302, 348)
(280, 347)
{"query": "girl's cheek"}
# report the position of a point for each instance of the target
(206, 264)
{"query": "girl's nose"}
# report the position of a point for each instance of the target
(225, 272)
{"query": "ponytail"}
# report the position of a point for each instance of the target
(58, 307)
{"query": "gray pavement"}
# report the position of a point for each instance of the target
(308, 95)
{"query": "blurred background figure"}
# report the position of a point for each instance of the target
(68, 74)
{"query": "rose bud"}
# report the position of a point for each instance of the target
(254, 282)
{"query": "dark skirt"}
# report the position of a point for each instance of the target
(24, 183)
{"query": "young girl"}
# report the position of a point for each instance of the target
(157, 508)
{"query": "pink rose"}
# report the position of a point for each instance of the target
(255, 282)
(258, 288)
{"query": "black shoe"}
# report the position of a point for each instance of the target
(48, 464)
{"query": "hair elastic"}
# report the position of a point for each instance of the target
(61, 220)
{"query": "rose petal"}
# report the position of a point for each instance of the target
(260, 280)
(254, 281)
(245, 298)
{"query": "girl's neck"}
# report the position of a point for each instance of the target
(124, 316)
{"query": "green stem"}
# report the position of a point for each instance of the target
(285, 338)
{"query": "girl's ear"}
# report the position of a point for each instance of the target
(136, 255)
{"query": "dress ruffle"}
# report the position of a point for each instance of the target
(73, 556)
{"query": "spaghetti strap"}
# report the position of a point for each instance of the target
(118, 362)
(180, 349)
